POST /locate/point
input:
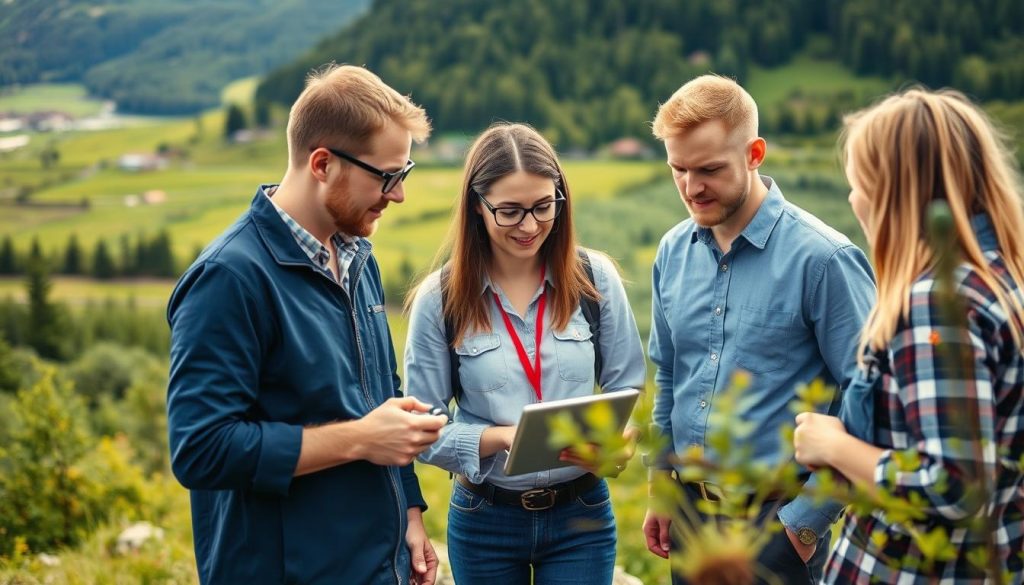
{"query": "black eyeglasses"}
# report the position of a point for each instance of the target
(391, 180)
(542, 212)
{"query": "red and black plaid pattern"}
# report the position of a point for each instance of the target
(949, 410)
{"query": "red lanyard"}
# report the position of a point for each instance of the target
(532, 372)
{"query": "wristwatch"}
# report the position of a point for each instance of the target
(806, 535)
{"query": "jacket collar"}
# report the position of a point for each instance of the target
(278, 238)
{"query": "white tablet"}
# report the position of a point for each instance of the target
(530, 450)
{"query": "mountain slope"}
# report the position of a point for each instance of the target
(159, 56)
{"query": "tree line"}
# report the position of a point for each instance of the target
(589, 71)
(144, 255)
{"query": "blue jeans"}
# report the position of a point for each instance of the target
(493, 544)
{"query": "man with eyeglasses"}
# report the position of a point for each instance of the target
(285, 417)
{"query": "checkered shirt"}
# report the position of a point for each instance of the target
(923, 404)
(345, 246)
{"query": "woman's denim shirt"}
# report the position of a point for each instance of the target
(495, 387)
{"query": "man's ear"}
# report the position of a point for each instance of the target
(757, 148)
(317, 163)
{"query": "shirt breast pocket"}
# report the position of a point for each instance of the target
(381, 341)
(482, 366)
(575, 351)
(764, 339)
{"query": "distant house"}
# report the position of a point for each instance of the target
(629, 147)
(9, 143)
(141, 161)
(154, 197)
(11, 124)
(48, 121)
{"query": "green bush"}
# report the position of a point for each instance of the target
(56, 482)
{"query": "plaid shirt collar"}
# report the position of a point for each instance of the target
(345, 246)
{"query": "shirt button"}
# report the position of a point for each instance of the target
(714, 357)
(703, 403)
(576, 334)
(473, 350)
(718, 310)
(725, 267)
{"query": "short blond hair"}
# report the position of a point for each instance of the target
(343, 106)
(705, 98)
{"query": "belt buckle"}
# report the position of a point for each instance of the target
(710, 492)
(538, 499)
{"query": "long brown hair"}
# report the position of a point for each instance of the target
(911, 149)
(501, 150)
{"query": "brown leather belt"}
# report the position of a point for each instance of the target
(713, 493)
(536, 499)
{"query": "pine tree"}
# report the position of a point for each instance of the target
(8, 261)
(73, 256)
(35, 252)
(128, 258)
(47, 328)
(161, 255)
(234, 122)
(102, 264)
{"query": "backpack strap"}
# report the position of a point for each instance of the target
(449, 336)
(592, 313)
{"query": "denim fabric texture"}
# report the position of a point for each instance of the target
(571, 544)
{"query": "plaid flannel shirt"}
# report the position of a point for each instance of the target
(924, 403)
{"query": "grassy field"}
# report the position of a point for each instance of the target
(810, 77)
(63, 97)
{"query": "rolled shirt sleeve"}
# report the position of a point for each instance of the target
(428, 378)
(838, 305)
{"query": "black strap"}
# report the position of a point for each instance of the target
(449, 335)
(590, 308)
(592, 313)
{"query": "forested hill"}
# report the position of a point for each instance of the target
(587, 71)
(159, 56)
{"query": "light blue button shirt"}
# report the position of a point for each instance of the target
(495, 387)
(786, 304)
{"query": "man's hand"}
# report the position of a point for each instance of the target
(656, 531)
(392, 434)
(805, 551)
(424, 559)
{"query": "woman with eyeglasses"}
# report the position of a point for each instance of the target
(937, 415)
(509, 299)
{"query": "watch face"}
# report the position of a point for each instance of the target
(807, 536)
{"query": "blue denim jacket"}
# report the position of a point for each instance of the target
(495, 387)
(786, 304)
